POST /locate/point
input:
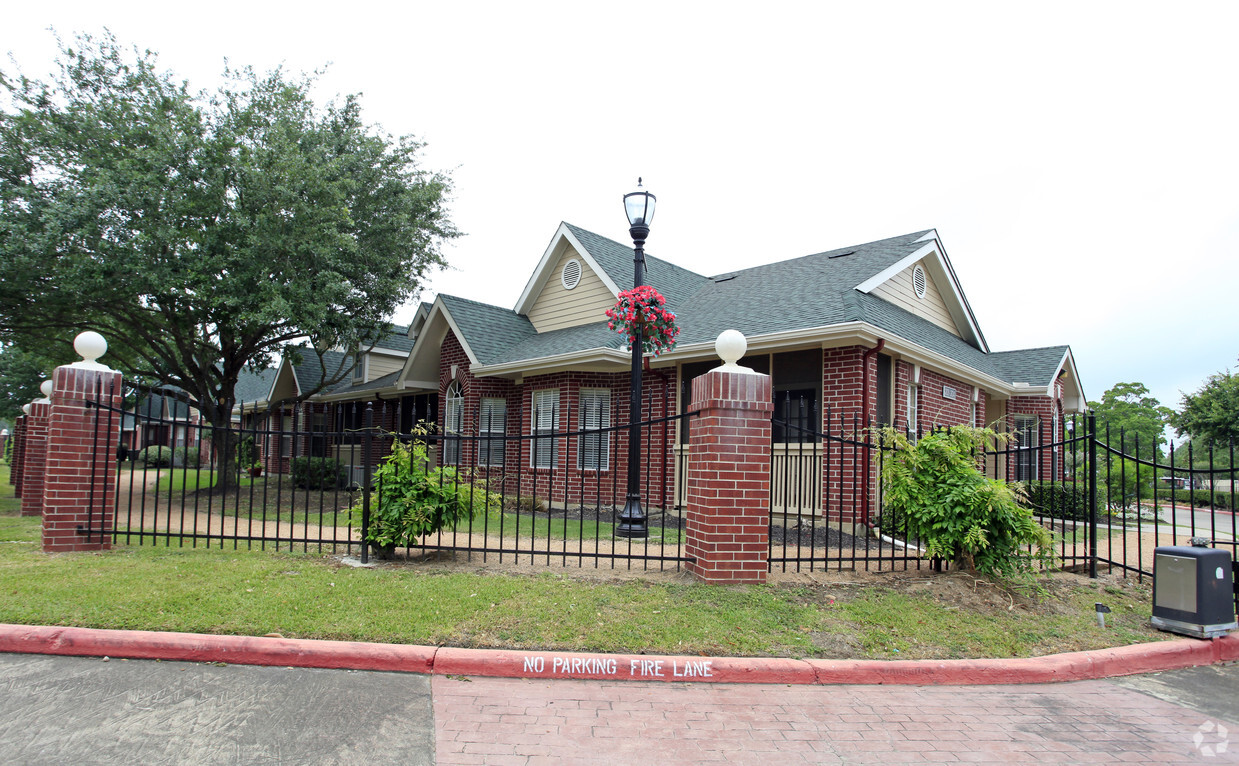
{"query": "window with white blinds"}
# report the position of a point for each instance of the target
(593, 451)
(491, 429)
(545, 423)
(453, 424)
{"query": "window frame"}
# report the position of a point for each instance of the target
(492, 440)
(599, 442)
(453, 423)
(544, 450)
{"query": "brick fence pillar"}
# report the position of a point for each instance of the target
(34, 456)
(79, 489)
(728, 519)
(15, 457)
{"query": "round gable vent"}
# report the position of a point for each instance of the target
(571, 275)
(918, 281)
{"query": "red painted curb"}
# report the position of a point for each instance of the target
(353, 655)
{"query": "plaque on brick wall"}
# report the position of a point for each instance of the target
(948, 392)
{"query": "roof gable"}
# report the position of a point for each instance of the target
(612, 263)
(932, 257)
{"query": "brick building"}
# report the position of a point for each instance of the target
(873, 333)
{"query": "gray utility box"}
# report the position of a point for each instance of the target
(1193, 591)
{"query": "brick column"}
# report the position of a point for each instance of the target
(79, 490)
(34, 457)
(728, 517)
(15, 457)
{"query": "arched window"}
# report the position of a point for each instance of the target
(453, 423)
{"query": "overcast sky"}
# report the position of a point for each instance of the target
(1078, 159)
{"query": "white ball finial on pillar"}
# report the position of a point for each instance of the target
(46, 388)
(90, 345)
(730, 347)
(26, 408)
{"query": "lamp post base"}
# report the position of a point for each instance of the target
(632, 520)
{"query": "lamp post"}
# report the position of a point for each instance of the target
(639, 206)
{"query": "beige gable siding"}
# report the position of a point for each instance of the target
(899, 291)
(378, 365)
(557, 307)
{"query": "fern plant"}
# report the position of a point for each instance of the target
(936, 487)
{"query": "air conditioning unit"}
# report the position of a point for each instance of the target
(1193, 591)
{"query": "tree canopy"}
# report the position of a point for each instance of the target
(202, 233)
(1211, 415)
(1128, 411)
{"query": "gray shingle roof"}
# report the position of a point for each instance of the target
(490, 331)
(802, 293)
(675, 283)
(310, 372)
(254, 386)
(396, 339)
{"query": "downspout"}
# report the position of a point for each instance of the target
(864, 406)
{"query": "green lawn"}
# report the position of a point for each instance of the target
(312, 596)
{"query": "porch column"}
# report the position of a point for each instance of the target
(728, 517)
(79, 488)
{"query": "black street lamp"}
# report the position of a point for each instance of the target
(639, 206)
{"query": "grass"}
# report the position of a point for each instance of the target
(311, 596)
(178, 480)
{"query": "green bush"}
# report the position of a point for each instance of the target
(319, 473)
(1196, 498)
(186, 456)
(953, 509)
(1059, 501)
(412, 500)
(247, 453)
(157, 457)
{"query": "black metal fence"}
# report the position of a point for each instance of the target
(1107, 500)
(311, 479)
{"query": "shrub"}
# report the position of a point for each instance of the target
(157, 457)
(319, 473)
(247, 453)
(1196, 498)
(1059, 501)
(953, 509)
(412, 500)
(186, 456)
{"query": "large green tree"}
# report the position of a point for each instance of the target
(202, 233)
(1211, 415)
(1131, 421)
(1129, 411)
(21, 373)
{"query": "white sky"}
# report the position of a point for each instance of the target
(1078, 159)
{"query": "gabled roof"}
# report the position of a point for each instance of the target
(254, 386)
(802, 301)
(613, 263)
(811, 291)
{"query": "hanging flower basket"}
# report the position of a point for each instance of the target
(641, 309)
